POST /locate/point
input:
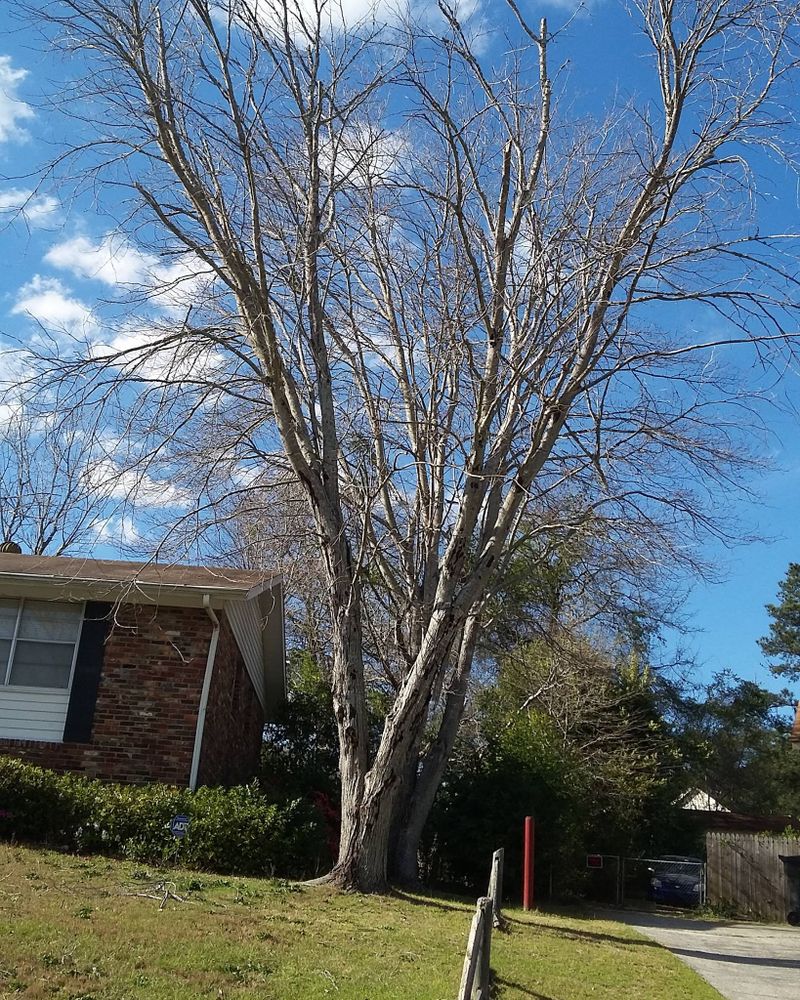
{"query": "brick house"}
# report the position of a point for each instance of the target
(138, 672)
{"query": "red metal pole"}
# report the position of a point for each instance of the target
(527, 872)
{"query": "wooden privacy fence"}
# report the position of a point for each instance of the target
(744, 872)
(475, 975)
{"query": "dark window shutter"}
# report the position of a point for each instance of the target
(88, 666)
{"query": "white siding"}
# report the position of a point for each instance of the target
(274, 640)
(33, 714)
(245, 623)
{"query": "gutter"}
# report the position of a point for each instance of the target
(201, 713)
(132, 591)
(124, 591)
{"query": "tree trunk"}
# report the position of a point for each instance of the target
(422, 793)
(367, 818)
(403, 811)
(366, 826)
(367, 807)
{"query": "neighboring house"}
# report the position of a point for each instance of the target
(699, 800)
(707, 814)
(795, 737)
(138, 672)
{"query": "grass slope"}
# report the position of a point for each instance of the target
(74, 929)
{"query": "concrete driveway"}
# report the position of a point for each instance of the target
(743, 961)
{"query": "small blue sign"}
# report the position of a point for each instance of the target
(178, 826)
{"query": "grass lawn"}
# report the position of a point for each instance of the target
(75, 928)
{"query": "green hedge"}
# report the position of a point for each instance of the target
(231, 830)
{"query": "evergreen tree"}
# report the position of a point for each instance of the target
(733, 737)
(784, 633)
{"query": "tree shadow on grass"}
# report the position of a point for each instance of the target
(572, 934)
(508, 984)
(435, 903)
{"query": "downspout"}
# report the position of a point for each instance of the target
(201, 712)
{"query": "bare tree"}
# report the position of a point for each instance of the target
(270, 526)
(51, 500)
(436, 299)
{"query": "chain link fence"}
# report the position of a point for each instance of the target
(675, 880)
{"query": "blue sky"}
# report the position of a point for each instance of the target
(50, 267)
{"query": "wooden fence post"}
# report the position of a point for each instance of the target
(486, 949)
(471, 958)
(477, 959)
(495, 892)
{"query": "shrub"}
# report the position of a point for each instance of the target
(231, 830)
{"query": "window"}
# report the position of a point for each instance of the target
(38, 640)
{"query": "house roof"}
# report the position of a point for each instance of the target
(699, 798)
(79, 578)
(715, 819)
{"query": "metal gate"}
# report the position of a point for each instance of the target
(603, 879)
(672, 879)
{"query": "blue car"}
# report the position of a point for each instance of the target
(676, 879)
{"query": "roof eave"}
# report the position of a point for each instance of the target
(50, 587)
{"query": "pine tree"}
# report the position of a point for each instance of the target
(784, 633)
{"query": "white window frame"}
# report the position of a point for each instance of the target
(34, 688)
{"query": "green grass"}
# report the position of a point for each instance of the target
(74, 929)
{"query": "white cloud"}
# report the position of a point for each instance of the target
(49, 302)
(245, 475)
(181, 285)
(8, 413)
(121, 530)
(103, 528)
(570, 5)
(127, 531)
(13, 369)
(338, 14)
(154, 354)
(35, 209)
(334, 14)
(133, 485)
(113, 261)
(12, 109)
(353, 11)
(386, 11)
(173, 286)
(364, 153)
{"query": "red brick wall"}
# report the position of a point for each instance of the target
(234, 719)
(147, 703)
